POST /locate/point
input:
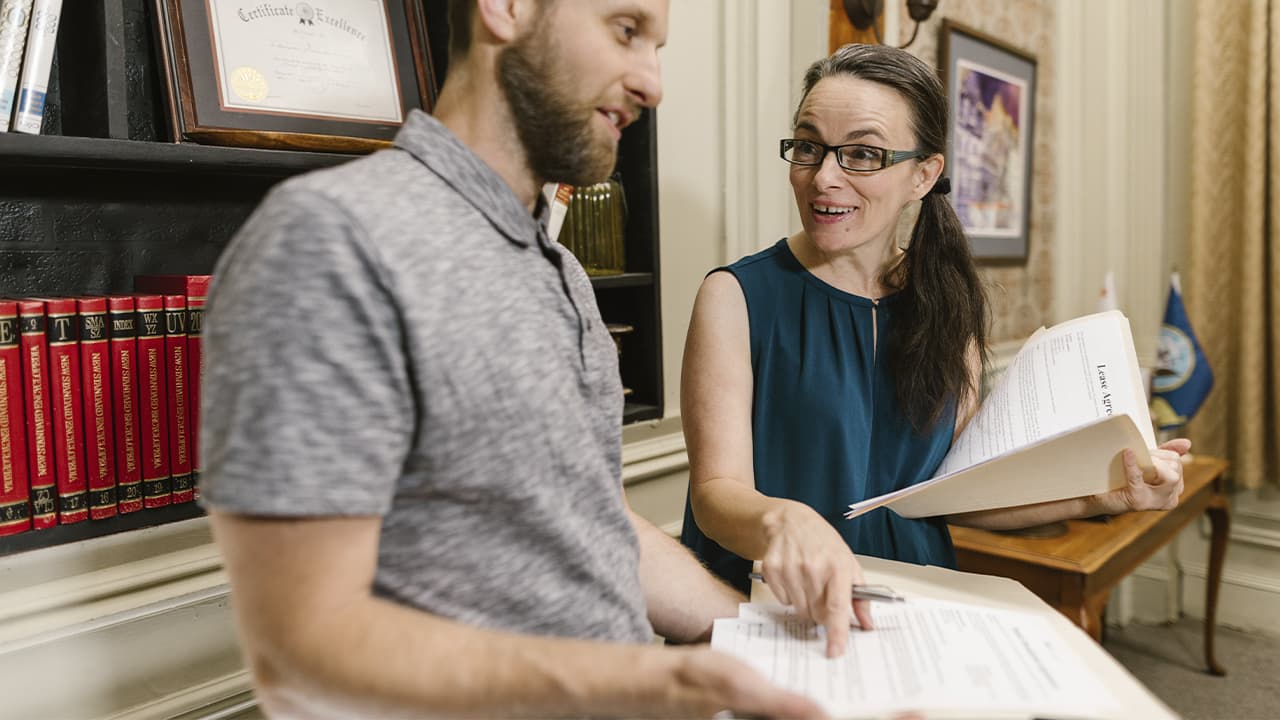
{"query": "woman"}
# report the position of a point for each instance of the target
(836, 366)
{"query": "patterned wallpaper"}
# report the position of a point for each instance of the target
(1021, 295)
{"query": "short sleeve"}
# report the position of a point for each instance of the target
(306, 400)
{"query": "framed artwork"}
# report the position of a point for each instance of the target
(991, 88)
(294, 75)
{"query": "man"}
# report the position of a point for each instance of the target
(412, 451)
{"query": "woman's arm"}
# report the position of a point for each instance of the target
(805, 561)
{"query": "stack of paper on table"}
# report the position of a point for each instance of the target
(961, 646)
(1052, 428)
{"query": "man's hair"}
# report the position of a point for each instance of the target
(460, 25)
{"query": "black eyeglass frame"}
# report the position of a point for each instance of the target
(887, 157)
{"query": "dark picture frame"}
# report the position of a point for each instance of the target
(198, 110)
(991, 89)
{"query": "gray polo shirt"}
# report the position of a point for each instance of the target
(398, 337)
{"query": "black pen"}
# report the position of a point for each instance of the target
(879, 593)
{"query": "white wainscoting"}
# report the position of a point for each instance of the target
(136, 626)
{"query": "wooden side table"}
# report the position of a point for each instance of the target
(1076, 572)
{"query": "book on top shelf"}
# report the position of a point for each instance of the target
(196, 289)
(153, 401)
(15, 499)
(37, 61)
(99, 437)
(68, 417)
(1054, 426)
(39, 414)
(15, 15)
(123, 326)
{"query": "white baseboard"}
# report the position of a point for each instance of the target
(223, 697)
(1247, 601)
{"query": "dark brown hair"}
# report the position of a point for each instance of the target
(459, 27)
(943, 309)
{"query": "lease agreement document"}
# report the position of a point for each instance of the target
(1052, 427)
(943, 658)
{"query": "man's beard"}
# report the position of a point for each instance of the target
(554, 130)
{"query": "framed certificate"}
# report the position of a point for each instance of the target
(335, 75)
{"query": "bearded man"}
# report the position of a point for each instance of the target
(411, 413)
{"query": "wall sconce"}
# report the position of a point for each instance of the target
(863, 14)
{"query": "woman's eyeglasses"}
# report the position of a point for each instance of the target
(854, 157)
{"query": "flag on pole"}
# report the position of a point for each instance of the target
(1183, 377)
(1107, 298)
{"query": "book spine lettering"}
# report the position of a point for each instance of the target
(124, 400)
(68, 422)
(153, 402)
(195, 288)
(195, 361)
(95, 363)
(15, 15)
(37, 61)
(15, 516)
(175, 319)
(35, 364)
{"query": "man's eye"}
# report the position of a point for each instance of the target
(626, 31)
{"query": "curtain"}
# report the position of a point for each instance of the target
(1233, 245)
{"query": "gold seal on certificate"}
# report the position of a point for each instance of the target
(248, 84)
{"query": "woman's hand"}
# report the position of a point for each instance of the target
(809, 566)
(1155, 489)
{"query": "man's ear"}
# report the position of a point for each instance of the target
(928, 171)
(504, 20)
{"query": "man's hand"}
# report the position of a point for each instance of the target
(810, 567)
(709, 681)
(1158, 488)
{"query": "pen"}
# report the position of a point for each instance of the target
(879, 593)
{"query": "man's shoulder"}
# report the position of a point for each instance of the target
(380, 193)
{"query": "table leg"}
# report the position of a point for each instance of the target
(1220, 522)
(1088, 614)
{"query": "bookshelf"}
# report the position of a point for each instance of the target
(103, 196)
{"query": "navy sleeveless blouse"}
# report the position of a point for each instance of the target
(826, 425)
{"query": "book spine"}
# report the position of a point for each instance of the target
(36, 64)
(15, 15)
(153, 403)
(68, 421)
(99, 437)
(40, 443)
(124, 400)
(15, 498)
(175, 347)
(195, 360)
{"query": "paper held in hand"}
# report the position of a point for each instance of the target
(1053, 427)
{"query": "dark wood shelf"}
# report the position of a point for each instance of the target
(636, 412)
(53, 152)
(62, 534)
(637, 279)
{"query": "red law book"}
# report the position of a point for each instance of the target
(40, 443)
(175, 350)
(123, 329)
(196, 289)
(68, 418)
(153, 401)
(99, 436)
(14, 488)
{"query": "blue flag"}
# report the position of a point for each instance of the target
(1183, 378)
